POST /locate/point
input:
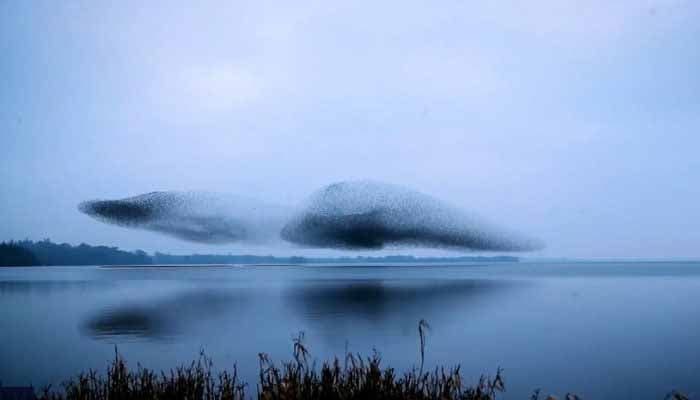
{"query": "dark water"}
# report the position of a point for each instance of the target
(598, 329)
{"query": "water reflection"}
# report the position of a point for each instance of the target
(46, 287)
(333, 308)
(329, 307)
(374, 300)
(632, 336)
(160, 319)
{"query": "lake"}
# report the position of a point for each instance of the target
(599, 329)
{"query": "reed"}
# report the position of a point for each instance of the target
(356, 377)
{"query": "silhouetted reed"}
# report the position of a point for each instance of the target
(356, 377)
(365, 378)
(193, 381)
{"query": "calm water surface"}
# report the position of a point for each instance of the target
(598, 329)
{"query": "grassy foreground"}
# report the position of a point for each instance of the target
(355, 377)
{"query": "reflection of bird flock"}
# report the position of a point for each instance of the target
(350, 215)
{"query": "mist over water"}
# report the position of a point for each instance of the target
(598, 329)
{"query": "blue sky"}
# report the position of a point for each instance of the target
(577, 122)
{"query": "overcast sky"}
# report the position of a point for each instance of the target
(577, 122)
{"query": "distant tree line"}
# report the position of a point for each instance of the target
(14, 255)
(46, 252)
(162, 258)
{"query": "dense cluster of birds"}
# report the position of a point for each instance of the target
(344, 215)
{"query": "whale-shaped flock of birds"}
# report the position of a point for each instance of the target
(344, 215)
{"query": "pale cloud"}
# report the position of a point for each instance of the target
(205, 90)
(593, 21)
(318, 52)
